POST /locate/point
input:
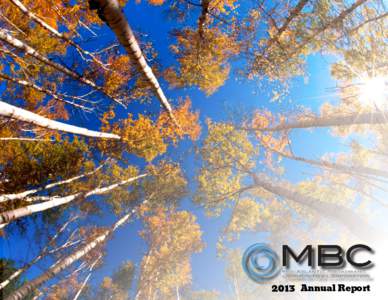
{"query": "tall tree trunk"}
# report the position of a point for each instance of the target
(54, 32)
(62, 264)
(361, 170)
(24, 139)
(369, 118)
(364, 193)
(11, 215)
(20, 45)
(43, 90)
(23, 115)
(38, 257)
(110, 12)
(16, 196)
(339, 213)
(236, 287)
(352, 170)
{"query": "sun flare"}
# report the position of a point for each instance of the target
(373, 91)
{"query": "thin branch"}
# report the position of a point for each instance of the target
(18, 44)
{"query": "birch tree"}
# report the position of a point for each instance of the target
(18, 196)
(335, 120)
(167, 187)
(45, 91)
(47, 250)
(255, 172)
(51, 202)
(20, 45)
(110, 12)
(54, 31)
(28, 166)
(65, 262)
(13, 112)
(8, 268)
(230, 170)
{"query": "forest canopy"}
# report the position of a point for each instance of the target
(139, 137)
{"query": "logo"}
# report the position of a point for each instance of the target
(327, 257)
(254, 266)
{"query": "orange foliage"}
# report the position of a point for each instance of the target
(139, 136)
(147, 138)
(187, 120)
(271, 141)
(173, 237)
(118, 75)
(153, 2)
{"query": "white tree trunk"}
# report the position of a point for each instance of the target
(112, 14)
(8, 197)
(11, 215)
(347, 169)
(20, 114)
(236, 287)
(335, 120)
(54, 32)
(12, 277)
(349, 218)
(20, 45)
(44, 252)
(24, 139)
(30, 286)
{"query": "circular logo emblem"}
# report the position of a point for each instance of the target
(260, 263)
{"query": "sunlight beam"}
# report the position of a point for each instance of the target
(373, 92)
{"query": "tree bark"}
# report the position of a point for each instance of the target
(23, 115)
(11, 215)
(30, 286)
(352, 170)
(16, 196)
(344, 215)
(37, 258)
(18, 44)
(370, 118)
(110, 12)
(24, 139)
(342, 168)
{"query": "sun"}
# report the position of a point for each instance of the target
(373, 92)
